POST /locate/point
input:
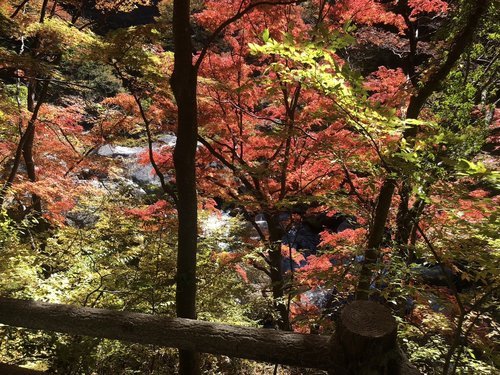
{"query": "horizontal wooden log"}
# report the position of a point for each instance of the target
(16, 370)
(313, 351)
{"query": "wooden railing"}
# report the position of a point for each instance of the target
(364, 341)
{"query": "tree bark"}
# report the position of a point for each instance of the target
(189, 335)
(28, 145)
(30, 168)
(364, 343)
(26, 142)
(184, 86)
(367, 334)
(276, 271)
(25, 138)
(375, 238)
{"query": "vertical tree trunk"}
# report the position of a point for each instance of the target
(27, 148)
(461, 41)
(184, 84)
(43, 11)
(407, 221)
(375, 238)
(276, 271)
(403, 219)
(30, 129)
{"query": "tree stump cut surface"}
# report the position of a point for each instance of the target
(367, 336)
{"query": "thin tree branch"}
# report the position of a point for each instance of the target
(18, 8)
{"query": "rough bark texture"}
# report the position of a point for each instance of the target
(375, 238)
(184, 82)
(190, 335)
(366, 342)
(367, 333)
(276, 272)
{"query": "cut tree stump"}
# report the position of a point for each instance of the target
(365, 342)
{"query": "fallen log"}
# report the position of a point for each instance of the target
(364, 343)
(258, 344)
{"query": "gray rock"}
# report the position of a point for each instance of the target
(143, 174)
(116, 151)
(168, 139)
(81, 219)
